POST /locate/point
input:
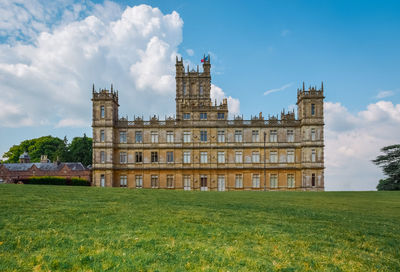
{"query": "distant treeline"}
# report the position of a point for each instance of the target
(79, 150)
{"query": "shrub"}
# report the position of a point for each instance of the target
(57, 181)
(388, 185)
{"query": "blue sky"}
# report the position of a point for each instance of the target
(353, 46)
(52, 53)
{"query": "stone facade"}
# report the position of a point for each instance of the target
(201, 149)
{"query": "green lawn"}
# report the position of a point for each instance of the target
(97, 229)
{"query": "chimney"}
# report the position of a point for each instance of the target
(43, 159)
(57, 161)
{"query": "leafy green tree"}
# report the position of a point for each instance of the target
(80, 150)
(390, 164)
(63, 153)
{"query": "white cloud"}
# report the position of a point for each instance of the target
(68, 122)
(190, 52)
(278, 89)
(353, 140)
(51, 78)
(14, 115)
(233, 103)
(24, 20)
(383, 94)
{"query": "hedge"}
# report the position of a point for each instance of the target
(57, 181)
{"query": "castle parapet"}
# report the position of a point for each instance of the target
(311, 92)
(105, 94)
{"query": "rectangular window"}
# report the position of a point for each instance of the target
(221, 136)
(290, 135)
(122, 136)
(186, 183)
(186, 136)
(313, 155)
(290, 180)
(273, 156)
(154, 181)
(102, 181)
(138, 137)
(203, 116)
(256, 181)
(154, 156)
(139, 181)
(201, 90)
(312, 109)
(203, 183)
(203, 157)
(184, 88)
(186, 116)
(239, 181)
(221, 183)
(256, 157)
(138, 157)
(170, 136)
(273, 136)
(186, 156)
(238, 136)
(238, 157)
(221, 115)
(154, 137)
(102, 112)
(170, 156)
(122, 157)
(313, 134)
(221, 157)
(313, 180)
(123, 181)
(255, 137)
(102, 136)
(102, 157)
(290, 156)
(170, 181)
(203, 135)
(273, 179)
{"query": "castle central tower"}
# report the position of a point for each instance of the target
(193, 89)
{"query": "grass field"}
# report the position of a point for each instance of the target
(98, 229)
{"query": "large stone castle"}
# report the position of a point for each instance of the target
(201, 149)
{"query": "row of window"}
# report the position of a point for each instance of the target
(203, 116)
(221, 158)
(187, 135)
(154, 181)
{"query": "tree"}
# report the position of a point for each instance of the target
(80, 150)
(390, 163)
